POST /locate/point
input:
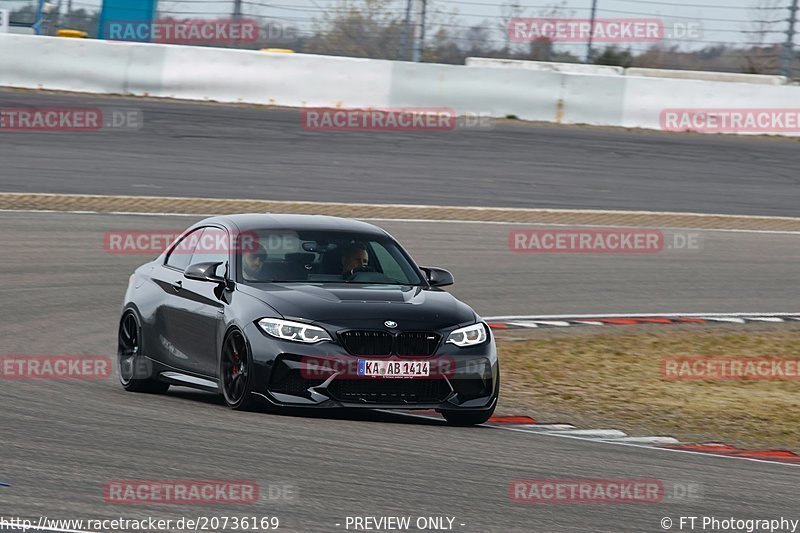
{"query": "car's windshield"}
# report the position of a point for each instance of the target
(271, 255)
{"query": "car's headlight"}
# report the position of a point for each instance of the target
(293, 331)
(468, 336)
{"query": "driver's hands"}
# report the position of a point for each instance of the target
(356, 270)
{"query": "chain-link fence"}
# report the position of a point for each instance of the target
(750, 36)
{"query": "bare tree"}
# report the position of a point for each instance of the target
(478, 39)
(762, 56)
(542, 49)
(358, 28)
(509, 12)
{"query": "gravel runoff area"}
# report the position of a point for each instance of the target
(155, 204)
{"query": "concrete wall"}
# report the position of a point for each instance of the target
(567, 68)
(595, 95)
(707, 76)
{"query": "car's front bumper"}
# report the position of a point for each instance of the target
(321, 376)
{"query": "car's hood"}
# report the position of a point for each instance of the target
(365, 306)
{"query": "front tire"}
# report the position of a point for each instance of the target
(236, 372)
(133, 368)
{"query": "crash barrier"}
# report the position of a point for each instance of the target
(548, 66)
(580, 68)
(734, 77)
(303, 80)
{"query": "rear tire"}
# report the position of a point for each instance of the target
(133, 368)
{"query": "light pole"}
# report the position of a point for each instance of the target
(788, 47)
(404, 39)
(421, 42)
(37, 24)
(589, 51)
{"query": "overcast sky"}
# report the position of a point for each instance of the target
(721, 20)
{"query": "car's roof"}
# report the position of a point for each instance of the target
(257, 221)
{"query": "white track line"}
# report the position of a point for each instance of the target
(422, 220)
(127, 213)
(710, 316)
(550, 224)
(8, 525)
(654, 440)
(599, 434)
(643, 446)
(600, 441)
(422, 206)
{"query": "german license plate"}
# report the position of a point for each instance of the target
(394, 369)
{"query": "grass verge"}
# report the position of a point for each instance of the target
(595, 377)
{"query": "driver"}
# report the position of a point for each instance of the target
(253, 264)
(355, 258)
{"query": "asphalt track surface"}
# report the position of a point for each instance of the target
(729, 272)
(190, 149)
(63, 440)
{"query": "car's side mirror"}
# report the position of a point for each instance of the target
(204, 272)
(438, 277)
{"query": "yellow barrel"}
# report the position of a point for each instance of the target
(75, 34)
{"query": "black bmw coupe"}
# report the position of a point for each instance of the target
(305, 311)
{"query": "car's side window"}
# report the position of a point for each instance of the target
(212, 247)
(181, 254)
